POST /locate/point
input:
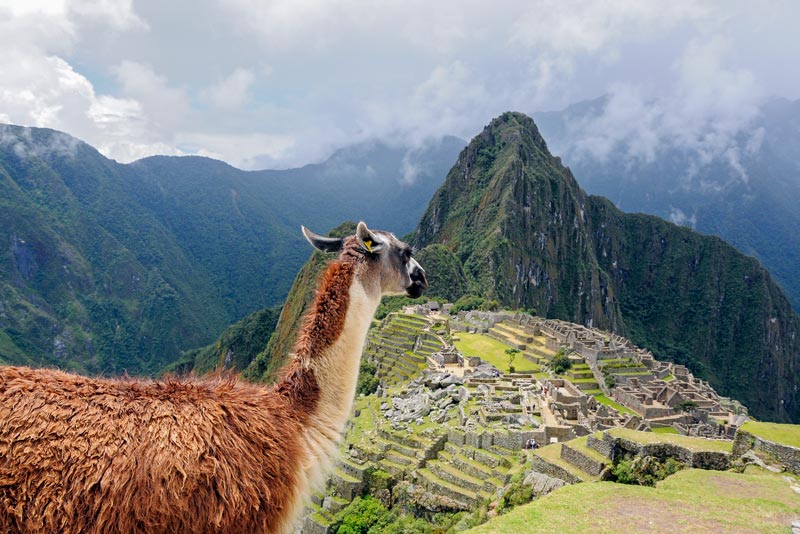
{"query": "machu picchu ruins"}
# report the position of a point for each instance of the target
(449, 426)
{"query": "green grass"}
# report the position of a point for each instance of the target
(668, 378)
(492, 351)
(778, 433)
(602, 399)
(693, 500)
(693, 444)
(364, 422)
(665, 430)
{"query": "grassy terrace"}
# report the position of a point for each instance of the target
(690, 501)
(552, 454)
(778, 433)
(693, 444)
(492, 351)
(665, 430)
(602, 399)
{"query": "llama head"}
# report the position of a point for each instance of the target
(388, 260)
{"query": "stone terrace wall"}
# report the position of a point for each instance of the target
(787, 455)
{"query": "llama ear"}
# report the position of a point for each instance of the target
(325, 244)
(368, 240)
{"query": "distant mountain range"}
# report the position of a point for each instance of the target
(742, 186)
(106, 268)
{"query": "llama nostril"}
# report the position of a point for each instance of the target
(418, 277)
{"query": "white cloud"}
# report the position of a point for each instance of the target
(118, 13)
(232, 92)
(239, 150)
(677, 216)
(710, 103)
(287, 81)
(165, 108)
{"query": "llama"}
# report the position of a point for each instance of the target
(200, 455)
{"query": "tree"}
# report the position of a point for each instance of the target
(512, 353)
(560, 362)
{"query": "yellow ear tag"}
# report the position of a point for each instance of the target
(368, 244)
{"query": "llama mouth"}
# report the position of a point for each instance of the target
(415, 290)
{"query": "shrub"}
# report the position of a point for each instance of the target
(360, 516)
(516, 494)
(467, 303)
(645, 470)
(560, 363)
(368, 381)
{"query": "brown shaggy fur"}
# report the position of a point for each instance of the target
(214, 455)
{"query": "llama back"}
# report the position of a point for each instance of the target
(80, 455)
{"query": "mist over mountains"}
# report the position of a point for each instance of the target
(736, 179)
(106, 268)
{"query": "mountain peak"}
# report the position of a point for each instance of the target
(529, 237)
(512, 127)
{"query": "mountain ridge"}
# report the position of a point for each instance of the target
(741, 191)
(111, 268)
(530, 237)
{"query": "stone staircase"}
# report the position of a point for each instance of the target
(466, 475)
(582, 376)
(624, 368)
(510, 336)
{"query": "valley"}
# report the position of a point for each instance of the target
(448, 432)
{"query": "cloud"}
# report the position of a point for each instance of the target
(118, 13)
(243, 151)
(166, 107)
(233, 92)
(285, 82)
(710, 105)
(24, 144)
(677, 216)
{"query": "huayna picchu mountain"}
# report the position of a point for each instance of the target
(529, 236)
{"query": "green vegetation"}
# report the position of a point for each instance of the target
(473, 302)
(689, 501)
(367, 515)
(664, 430)
(490, 350)
(516, 494)
(784, 434)
(368, 380)
(236, 348)
(446, 278)
(560, 363)
(645, 470)
(512, 354)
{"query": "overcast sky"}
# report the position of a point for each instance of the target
(275, 84)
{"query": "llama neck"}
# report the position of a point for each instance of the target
(329, 346)
(336, 368)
